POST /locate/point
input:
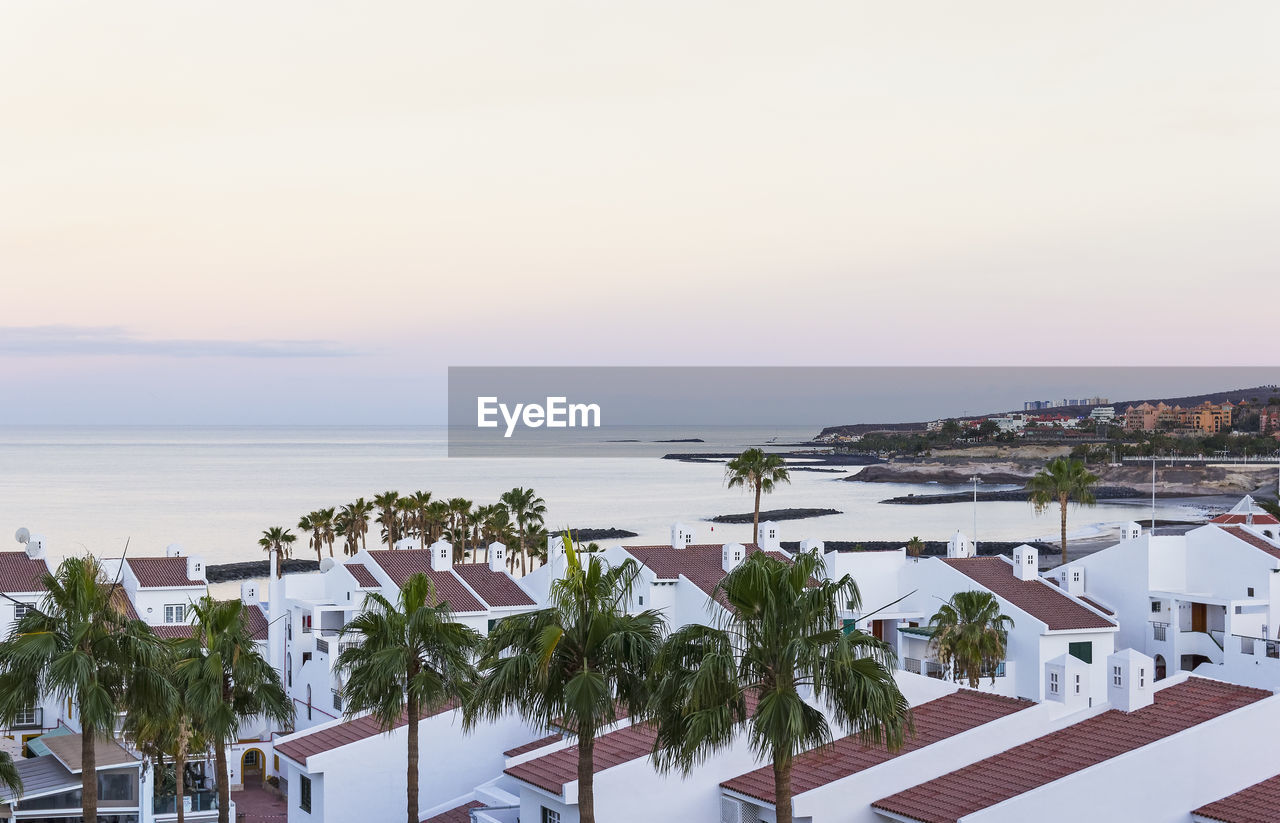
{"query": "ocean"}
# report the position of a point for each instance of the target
(214, 489)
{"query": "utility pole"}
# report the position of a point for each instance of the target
(976, 480)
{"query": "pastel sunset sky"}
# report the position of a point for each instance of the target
(300, 212)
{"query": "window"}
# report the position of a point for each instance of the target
(174, 613)
(306, 658)
(642, 600)
(1116, 678)
(308, 702)
(1250, 591)
(25, 717)
(1142, 678)
(549, 816)
(306, 623)
(1077, 684)
(1075, 575)
(20, 610)
(1053, 682)
(1155, 606)
(288, 670)
(1081, 651)
(304, 794)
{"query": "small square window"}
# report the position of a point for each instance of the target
(20, 610)
(1155, 606)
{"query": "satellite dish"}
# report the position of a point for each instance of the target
(326, 564)
(22, 535)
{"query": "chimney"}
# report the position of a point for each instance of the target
(959, 546)
(195, 567)
(249, 593)
(1066, 681)
(731, 555)
(1129, 675)
(174, 550)
(35, 546)
(767, 536)
(1026, 563)
(408, 544)
(555, 546)
(681, 536)
(498, 557)
(809, 544)
(1130, 531)
(1072, 578)
(441, 556)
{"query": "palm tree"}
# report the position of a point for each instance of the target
(970, 635)
(279, 540)
(528, 511)
(420, 511)
(9, 777)
(386, 505)
(581, 663)
(226, 682)
(459, 517)
(311, 523)
(758, 471)
(780, 639)
(1062, 481)
(357, 515)
(325, 521)
(915, 547)
(77, 646)
(168, 730)
(411, 659)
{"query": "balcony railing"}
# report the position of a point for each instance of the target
(1249, 645)
(202, 801)
(1160, 631)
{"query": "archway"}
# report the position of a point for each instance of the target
(1162, 668)
(253, 768)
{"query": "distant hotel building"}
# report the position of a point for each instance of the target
(1037, 405)
(1207, 418)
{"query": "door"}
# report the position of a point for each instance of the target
(877, 629)
(1198, 621)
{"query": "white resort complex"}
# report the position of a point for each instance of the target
(1139, 685)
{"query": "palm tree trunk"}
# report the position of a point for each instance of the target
(586, 778)
(224, 781)
(782, 791)
(1063, 500)
(180, 763)
(411, 776)
(755, 521)
(89, 775)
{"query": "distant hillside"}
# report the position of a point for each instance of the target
(1256, 394)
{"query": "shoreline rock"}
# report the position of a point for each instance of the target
(228, 572)
(774, 514)
(1008, 495)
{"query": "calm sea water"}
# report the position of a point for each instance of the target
(215, 489)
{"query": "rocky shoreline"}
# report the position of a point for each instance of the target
(588, 535)
(774, 514)
(1008, 495)
(227, 572)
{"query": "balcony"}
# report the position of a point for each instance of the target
(929, 668)
(201, 801)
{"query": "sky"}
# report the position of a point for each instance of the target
(299, 212)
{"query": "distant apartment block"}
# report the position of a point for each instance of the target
(1207, 418)
(1037, 405)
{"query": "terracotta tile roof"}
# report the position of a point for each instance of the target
(364, 577)
(1260, 803)
(1042, 601)
(256, 619)
(552, 771)
(161, 572)
(307, 744)
(701, 563)
(401, 565)
(1243, 519)
(533, 745)
(1096, 605)
(458, 814)
(107, 752)
(120, 599)
(494, 588)
(20, 573)
(1254, 540)
(950, 797)
(172, 631)
(935, 720)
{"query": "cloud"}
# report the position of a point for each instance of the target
(109, 341)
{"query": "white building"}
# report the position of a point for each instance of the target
(353, 770)
(1207, 600)
(900, 593)
(51, 785)
(21, 589)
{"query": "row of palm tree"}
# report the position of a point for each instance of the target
(516, 519)
(178, 697)
(586, 661)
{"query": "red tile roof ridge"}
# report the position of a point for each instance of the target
(1253, 540)
(935, 720)
(498, 589)
(1049, 604)
(337, 733)
(1090, 742)
(162, 572)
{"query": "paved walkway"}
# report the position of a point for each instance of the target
(260, 805)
